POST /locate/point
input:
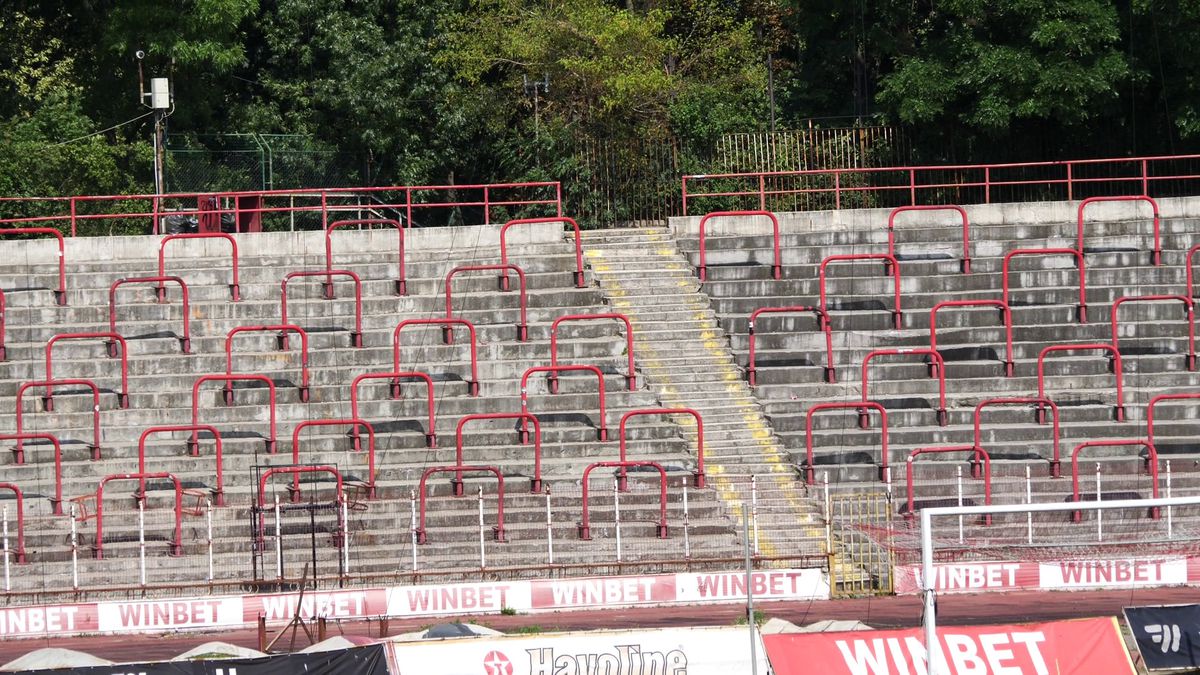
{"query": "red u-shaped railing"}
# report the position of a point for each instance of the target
(1191, 252)
(630, 375)
(19, 458)
(1042, 403)
(235, 289)
(473, 383)
(965, 265)
(660, 528)
(176, 543)
(1005, 317)
(1114, 361)
(296, 471)
(60, 295)
(861, 407)
(602, 430)
(395, 378)
(283, 329)
(1081, 308)
(354, 423)
(219, 492)
(458, 469)
(229, 380)
(19, 554)
(122, 395)
(356, 335)
(95, 446)
(185, 341)
(401, 278)
(522, 325)
(1188, 309)
(897, 316)
(977, 453)
(579, 283)
(1156, 254)
(535, 485)
(699, 478)
(776, 269)
(938, 370)
(1179, 396)
(822, 324)
(1151, 466)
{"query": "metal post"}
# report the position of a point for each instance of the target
(749, 593)
(209, 508)
(932, 648)
(1099, 514)
(828, 519)
(549, 530)
(687, 544)
(887, 481)
(482, 553)
(278, 543)
(617, 514)
(142, 541)
(345, 539)
(1029, 500)
(1169, 524)
(958, 471)
(7, 586)
(74, 551)
(754, 509)
(412, 525)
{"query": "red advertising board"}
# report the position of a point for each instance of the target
(975, 577)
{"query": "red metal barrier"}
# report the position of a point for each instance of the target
(830, 372)
(1151, 466)
(122, 395)
(19, 458)
(356, 335)
(522, 326)
(95, 446)
(630, 375)
(229, 380)
(1114, 363)
(176, 543)
(861, 407)
(472, 384)
(401, 278)
(1042, 403)
(977, 453)
(283, 329)
(699, 478)
(579, 282)
(60, 295)
(1005, 316)
(1181, 396)
(20, 497)
(1191, 252)
(601, 431)
(235, 290)
(458, 469)
(895, 272)
(965, 265)
(296, 471)
(1188, 308)
(660, 529)
(776, 269)
(535, 485)
(938, 370)
(355, 423)
(3, 308)
(185, 342)
(219, 492)
(1156, 254)
(1081, 308)
(395, 377)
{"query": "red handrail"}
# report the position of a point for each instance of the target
(1114, 365)
(1191, 252)
(283, 329)
(965, 266)
(355, 423)
(219, 492)
(1188, 308)
(535, 485)
(20, 497)
(19, 458)
(1005, 316)
(395, 377)
(296, 471)
(602, 430)
(699, 478)
(458, 469)
(938, 371)
(895, 273)
(356, 335)
(630, 375)
(473, 383)
(176, 543)
(522, 326)
(60, 295)
(976, 451)
(1151, 466)
(122, 395)
(3, 308)
(185, 342)
(1179, 396)
(1081, 308)
(95, 446)
(1156, 254)
(401, 278)
(229, 380)
(822, 324)
(1042, 404)
(861, 407)
(579, 281)
(776, 269)
(660, 528)
(235, 291)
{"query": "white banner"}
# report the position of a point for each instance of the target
(767, 585)
(438, 599)
(122, 617)
(1113, 573)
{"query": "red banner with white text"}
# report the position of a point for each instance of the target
(975, 577)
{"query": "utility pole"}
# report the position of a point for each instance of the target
(162, 102)
(534, 88)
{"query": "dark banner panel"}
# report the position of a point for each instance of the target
(370, 660)
(1167, 637)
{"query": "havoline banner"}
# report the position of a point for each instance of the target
(1168, 637)
(370, 660)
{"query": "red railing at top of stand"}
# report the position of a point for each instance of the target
(219, 491)
(176, 543)
(122, 395)
(699, 478)
(776, 268)
(356, 336)
(95, 446)
(522, 325)
(1041, 403)
(296, 471)
(185, 341)
(19, 554)
(977, 453)
(822, 324)
(630, 375)
(965, 265)
(579, 281)
(395, 377)
(1180, 396)
(1005, 317)
(894, 270)
(861, 407)
(1156, 253)
(60, 295)
(602, 428)
(1114, 364)
(229, 380)
(585, 528)
(938, 370)
(283, 330)
(19, 458)
(1081, 308)
(535, 485)
(235, 289)
(1151, 466)
(458, 469)
(1189, 315)
(473, 383)
(401, 275)
(354, 423)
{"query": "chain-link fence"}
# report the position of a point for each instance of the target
(237, 162)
